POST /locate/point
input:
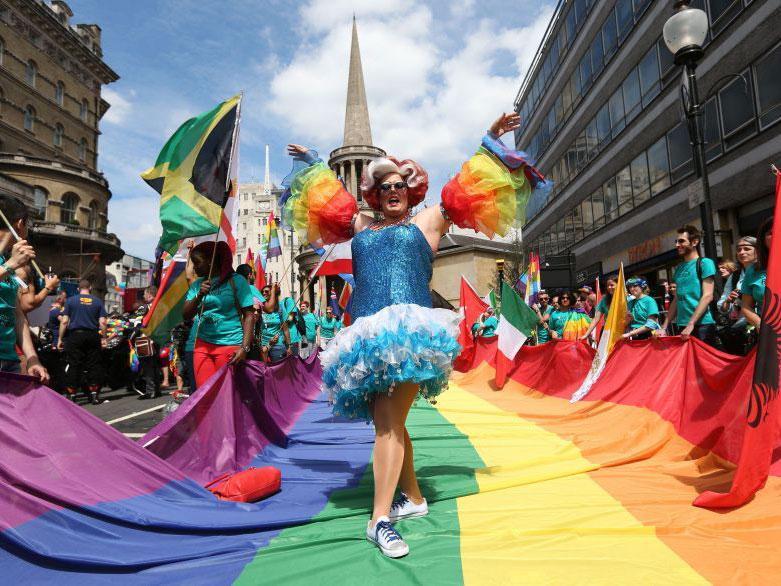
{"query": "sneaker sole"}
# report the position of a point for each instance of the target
(389, 553)
(410, 516)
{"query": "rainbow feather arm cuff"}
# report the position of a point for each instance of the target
(315, 203)
(490, 193)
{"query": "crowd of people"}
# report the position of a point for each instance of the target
(722, 310)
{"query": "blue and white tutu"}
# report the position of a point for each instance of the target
(399, 343)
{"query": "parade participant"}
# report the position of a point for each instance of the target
(544, 310)
(82, 333)
(555, 302)
(568, 322)
(400, 347)
(486, 324)
(290, 315)
(643, 310)
(258, 300)
(223, 301)
(312, 323)
(29, 299)
(150, 364)
(602, 307)
(275, 336)
(694, 279)
(754, 282)
(736, 334)
(329, 326)
(14, 327)
(55, 314)
(588, 299)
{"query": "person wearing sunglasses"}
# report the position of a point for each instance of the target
(400, 347)
(568, 322)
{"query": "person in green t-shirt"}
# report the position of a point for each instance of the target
(223, 301)
(312, 324)
(487, 324)
(544, 310)
(275, 335)
(329, 325)
(643, 310)
(600, 313)
(290, 314)
(14, 328)
(695, 284)
(755, 279)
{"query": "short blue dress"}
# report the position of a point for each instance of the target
(396, 335)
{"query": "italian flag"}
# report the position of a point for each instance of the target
(516, 322)
(490, 299)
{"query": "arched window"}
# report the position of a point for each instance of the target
(58, 132)
(70, 201)
(59, 93)
(83, 149)
(40, 200)
(31, 73)
(84, 110)
(94, 216)
(29, 118)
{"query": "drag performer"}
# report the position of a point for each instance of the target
(399, 347)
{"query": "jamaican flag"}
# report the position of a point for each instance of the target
(191, 174)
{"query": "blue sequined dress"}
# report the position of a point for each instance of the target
(396, 336)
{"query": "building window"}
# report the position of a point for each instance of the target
(631, 90)
(260, 239)
(624, 17)
(611, 200)
(768, 80)
(658, 166)
(83, 149)
(666, 59)
(585, 71)
(609, 36)
(649, 75)
(616, 105)
(588, 216)
(29, 119)
(59, 93)
(603, 126)
(70, 202)
(737, 110)
(640, 6)
(680, 152)
(244, 226)
(598, 205)
(94, 216)
(597, 54)
(31, 73)
(40, 200)
(58, 132)
(624, 188)
(711, 132)
(722, 12)
(641, 187)
(84, 110)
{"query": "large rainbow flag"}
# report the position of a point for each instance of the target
(523, 487)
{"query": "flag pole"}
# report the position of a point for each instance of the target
(18, 238)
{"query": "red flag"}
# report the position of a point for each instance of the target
(764, 407)
(471, 307)
(344, 300)
(250, 260)
(260, 273)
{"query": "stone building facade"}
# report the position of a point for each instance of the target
(51, 76)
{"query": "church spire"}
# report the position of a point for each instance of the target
(357, 130)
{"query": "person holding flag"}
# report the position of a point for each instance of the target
(399, 347)
(602, 308)
(486, 326)
(329, 326)
(312, 325)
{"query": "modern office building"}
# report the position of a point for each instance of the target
(51, 76)
(602, 115)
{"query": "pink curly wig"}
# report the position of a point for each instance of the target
(415, 176)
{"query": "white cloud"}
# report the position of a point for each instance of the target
(423, 103)
(120, 109)
(136, 221)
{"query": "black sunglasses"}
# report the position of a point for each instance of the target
(399, 185)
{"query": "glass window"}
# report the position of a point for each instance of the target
(585, 71)
(624, 17)
(598, 205)
(582, 150)
(722, 12)
(566, 98)
(58, 132)
(577, 87)
(554, 53)
(631, 90)
(552, 122)
(580, 11)
(68, 208)
(666, 60)
(641, 187)
(616, 105)
(592, 138)
(571, 25)
(609, 35)
(41, 199)
(649, 75)
(588, 216)
(640, 6)
(597, 54)
(569, 229)
(577, 221)
(546, 69)
(572, 160)
(611, 200)
(562, 235)
(768, 80)
(624, 188)
(658, 167)
(603, 125)
(711, 131)
(83, 149)
(31, 73)
(558, 107)
(59, 93)
(29, 118)
(84, 110)
(679, 147)
(94, 216)
(737, 110)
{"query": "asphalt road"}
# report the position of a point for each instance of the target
(123, 410)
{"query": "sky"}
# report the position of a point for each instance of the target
(437, 74)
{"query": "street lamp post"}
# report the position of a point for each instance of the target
(684, 35)
(499, 279)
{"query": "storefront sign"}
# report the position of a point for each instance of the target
(644, 250)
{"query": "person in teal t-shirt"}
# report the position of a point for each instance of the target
(224, 303)
(643, 310)
(312, 323)
(487, 324)
(600, 313)
(329, 325)
(290, 314)
(695, 286)
(14, 327)
(755, 280)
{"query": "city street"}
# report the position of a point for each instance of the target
(124, 412)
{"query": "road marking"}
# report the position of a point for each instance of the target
(136, 414)
(133, 435)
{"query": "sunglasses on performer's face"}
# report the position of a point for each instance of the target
(398, 186)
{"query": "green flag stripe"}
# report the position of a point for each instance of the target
(515, 311)
(336, 551)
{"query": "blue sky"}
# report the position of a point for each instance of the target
(437, 73)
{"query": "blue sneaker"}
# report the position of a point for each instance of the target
(384, 536)
(404, 508)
